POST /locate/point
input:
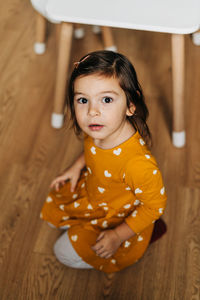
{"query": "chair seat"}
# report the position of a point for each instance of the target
(172, 16)
(40, 6)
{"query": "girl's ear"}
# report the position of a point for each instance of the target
(130, 110)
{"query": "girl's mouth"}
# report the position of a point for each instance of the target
(95, 127)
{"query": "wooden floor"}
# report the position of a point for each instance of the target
(32, 153)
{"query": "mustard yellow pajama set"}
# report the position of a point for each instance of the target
(122, 184)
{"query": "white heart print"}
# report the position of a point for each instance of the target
(93, 150)
(74, 238)
(126, 206)
(107, 174)
(138, 191)
(162, 191)
(83, 184)
(140, 238)
(128, 188)
(155, 172)
(142, 142)
(113, 261)
(49, 199)
(121, 215)
(137, 202)
(134, 213)
(74, 196)
(102, 204)
(89, 170)
(76, 204)
(127, 244)
(161, 210)
(65, 218)
(147, 156)
(105, 224)
(61, 206)
(89, 206)
(117, 151)
(94, 222)
(101, 190)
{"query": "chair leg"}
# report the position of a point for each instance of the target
(96, 29)
(178, 64)
(79, 31)
(66, 32)
(108, 39)
(196, 38)
(39, 46)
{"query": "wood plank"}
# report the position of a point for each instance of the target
(46, 278)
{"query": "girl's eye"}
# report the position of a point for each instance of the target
(107, 100)
(82, 100)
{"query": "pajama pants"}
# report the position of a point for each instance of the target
(66, 254)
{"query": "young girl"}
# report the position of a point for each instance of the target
(110, 208)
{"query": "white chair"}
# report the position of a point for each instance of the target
(64, 48)
(196, 38)
(178, 17)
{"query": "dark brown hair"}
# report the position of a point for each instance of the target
(108, 63)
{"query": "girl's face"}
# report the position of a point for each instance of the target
(101, 109)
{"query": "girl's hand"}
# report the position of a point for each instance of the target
(107, 243)
(72, 174)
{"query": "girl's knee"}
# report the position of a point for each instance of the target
(59, 250)
(66, 254)
(64, 251)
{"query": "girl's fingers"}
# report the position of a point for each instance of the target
(97, 247)
(55, 183)
(61, 180)
(108, 256)
(101, 252)
(105, 254)
(100, 236)
(52, 184)
(73, 183)
(57, 186)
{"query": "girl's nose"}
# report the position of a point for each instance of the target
(93, 111)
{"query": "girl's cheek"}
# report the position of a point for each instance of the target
(79, 118)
